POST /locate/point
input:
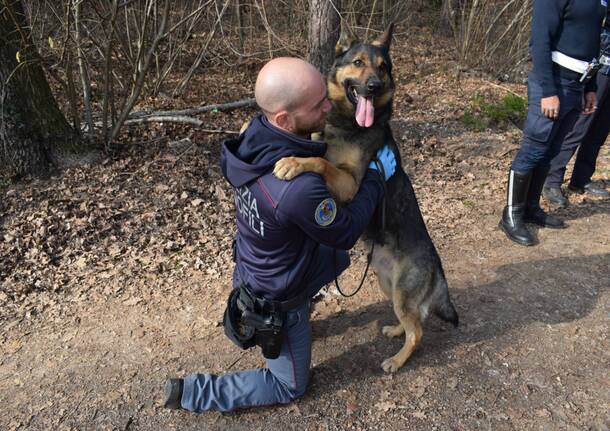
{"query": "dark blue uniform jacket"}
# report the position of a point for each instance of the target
(571, 27)
(279, 223)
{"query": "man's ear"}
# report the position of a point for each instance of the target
(386, 38)
(346, 40)
(283, 120)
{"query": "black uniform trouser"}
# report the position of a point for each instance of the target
(542, 136)
(590, 132)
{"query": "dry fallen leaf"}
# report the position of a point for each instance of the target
(385, 406)
(12, 346)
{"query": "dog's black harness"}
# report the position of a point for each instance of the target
(381, 239)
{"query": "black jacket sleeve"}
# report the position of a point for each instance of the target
(546, 25)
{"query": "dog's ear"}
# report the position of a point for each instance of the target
(346, 40)
(386, 38)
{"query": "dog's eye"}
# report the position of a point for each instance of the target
(382, 67)
(358, 63)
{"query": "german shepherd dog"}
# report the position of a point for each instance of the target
(409, 270)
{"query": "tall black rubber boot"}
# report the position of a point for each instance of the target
(533, 212)
(512, 222)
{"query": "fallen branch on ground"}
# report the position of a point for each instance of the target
(228, 132)
(166, 119)
(181, 116)
(493, 84)
(176, 119)
(219, 107)
(510, 150)
(179, 119)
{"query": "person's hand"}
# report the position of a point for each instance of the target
(550, 107)
(385, 157)
(590, 104)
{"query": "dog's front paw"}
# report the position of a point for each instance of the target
(390, 365)
(392, 331)
(287, 168)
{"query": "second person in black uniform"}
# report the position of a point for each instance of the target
(565, 38)
(589, 134)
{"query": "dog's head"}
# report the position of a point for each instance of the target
(360, 81)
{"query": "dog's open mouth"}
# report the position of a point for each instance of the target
(365, 111)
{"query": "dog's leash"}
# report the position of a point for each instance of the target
(369, 258)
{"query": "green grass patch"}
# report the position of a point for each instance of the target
(481, 114)
(474, 121)
(468, 203)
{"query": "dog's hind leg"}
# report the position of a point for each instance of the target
(410, 322)
(385, 283)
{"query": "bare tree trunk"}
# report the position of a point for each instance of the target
(33, 131)
(324, 26)
(447, 21)
(385, 21)
(84, 72)
(239, 23)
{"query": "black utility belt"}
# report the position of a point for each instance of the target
(250, 320)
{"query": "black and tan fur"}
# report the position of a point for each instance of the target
(407, 264)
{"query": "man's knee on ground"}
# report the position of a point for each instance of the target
(297, 391)
(294, 391)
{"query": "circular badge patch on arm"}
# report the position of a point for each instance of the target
(326, 212)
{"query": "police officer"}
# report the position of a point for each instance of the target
(287, 233)
(589, 134)
(564, 39)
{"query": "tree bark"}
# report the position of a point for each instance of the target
(33, 131)
(324, 27)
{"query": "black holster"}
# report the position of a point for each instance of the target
(250, 320)
(241, 335)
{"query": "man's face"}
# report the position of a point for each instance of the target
(311, 115)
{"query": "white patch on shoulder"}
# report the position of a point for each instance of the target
(326, 212)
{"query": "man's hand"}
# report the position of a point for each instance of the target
(550, 107)
(590, 103)
(386, 158)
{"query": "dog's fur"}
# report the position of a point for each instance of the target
(408, 267)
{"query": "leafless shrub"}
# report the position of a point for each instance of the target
(106, 55)
(491, 34)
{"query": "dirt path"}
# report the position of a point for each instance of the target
(114, 278)
(531, 352)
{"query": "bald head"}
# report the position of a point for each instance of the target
(285, 83)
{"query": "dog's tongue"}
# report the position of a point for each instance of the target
(365, 112)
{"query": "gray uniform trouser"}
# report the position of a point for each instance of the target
(588, 135)
(285, 378)
(542, 136)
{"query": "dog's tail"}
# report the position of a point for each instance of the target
(444, 307)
